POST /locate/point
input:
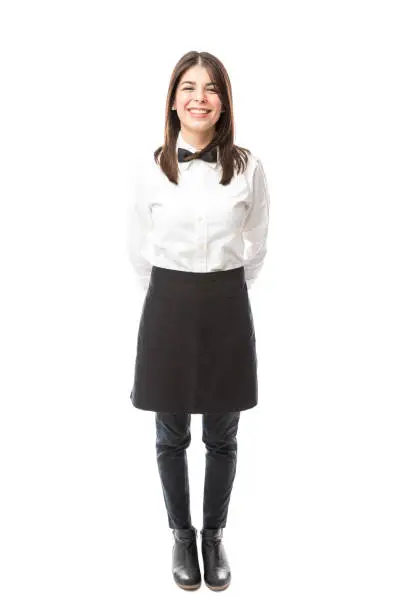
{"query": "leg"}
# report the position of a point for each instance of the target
(219, 436)
(172, 439)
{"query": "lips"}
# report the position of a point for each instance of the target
(198, 115)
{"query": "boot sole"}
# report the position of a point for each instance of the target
(218, 588)
(186, 587)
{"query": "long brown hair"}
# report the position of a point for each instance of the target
(231, 156)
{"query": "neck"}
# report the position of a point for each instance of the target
(198, 140)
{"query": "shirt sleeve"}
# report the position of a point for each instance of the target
(256, 226)
(139, 226)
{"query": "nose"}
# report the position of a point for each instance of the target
(200, 97)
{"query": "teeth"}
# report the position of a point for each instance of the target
(199, 112)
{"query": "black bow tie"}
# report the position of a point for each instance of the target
(209, 156)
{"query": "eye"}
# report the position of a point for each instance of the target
(187, 88)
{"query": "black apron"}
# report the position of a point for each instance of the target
(196, 346)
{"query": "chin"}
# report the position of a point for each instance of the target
(200, 125)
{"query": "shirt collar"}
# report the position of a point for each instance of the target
(185, 145)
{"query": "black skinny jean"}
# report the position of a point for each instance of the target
(172, 439)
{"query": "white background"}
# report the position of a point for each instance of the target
(317, 518)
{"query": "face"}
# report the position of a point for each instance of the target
(196, 91)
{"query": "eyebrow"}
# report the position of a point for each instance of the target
(194, 83)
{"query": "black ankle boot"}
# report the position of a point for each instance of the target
(217, 573)
(186, 568)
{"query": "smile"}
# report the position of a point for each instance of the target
(198, 113)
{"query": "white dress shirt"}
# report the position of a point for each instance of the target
(198, 225)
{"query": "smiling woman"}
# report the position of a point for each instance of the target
(198, 106)
(198, 236)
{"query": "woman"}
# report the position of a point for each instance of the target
(197, 242)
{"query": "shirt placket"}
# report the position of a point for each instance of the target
(196, 188)
(202, 239)
(201, 225)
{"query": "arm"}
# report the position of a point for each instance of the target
(139, 225)
(255, 229)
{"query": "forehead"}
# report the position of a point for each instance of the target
(197, 74)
